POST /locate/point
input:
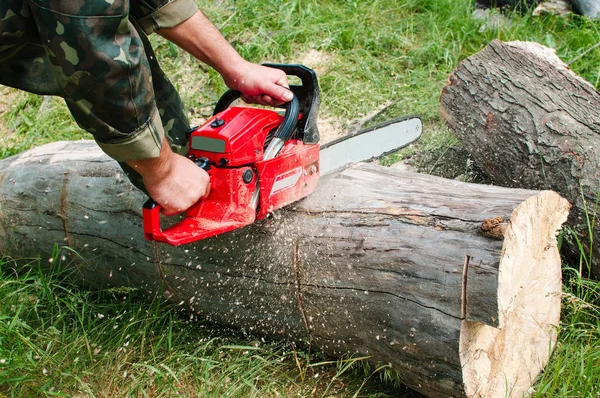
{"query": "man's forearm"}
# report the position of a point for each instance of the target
(156, 167)
(201, 38)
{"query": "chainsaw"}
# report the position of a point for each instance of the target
(260, 160)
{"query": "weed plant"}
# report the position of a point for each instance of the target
(57, 339)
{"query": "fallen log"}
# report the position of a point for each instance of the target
(529, 122)
(456, 286)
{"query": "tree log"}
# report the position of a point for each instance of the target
(528, 121)
(456, 286)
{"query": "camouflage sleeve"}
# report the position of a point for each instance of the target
(151, 15)
(104, 74)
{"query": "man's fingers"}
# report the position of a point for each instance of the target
(268, 100)
(282, 93)
(263, 99)
(169, 212)
(180, 187)
(283, 81)
(277, 92)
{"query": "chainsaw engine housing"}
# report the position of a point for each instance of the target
(234, 142)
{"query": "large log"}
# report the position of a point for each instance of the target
(528, 121)
(456, 286)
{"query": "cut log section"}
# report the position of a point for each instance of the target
(456, 286)
(529, 122)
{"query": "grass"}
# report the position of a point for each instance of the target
(57, 339)
(573, 369)
(32, 120)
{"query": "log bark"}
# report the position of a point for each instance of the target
(456, 286)
(528, 121)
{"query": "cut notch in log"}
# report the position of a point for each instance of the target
(372, 263)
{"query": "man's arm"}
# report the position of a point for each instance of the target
(201, 38)
(173, 180)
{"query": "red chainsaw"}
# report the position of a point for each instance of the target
(259, 160)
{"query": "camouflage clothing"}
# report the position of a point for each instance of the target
(96, 55)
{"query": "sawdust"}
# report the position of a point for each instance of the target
(329, 128)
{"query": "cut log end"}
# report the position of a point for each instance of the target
(505, 360)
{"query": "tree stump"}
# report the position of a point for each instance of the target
(456, 286)
(528, 121)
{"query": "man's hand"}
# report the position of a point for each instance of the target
(172, 180)
(259, 84)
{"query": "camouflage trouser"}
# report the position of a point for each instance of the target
(95, 56)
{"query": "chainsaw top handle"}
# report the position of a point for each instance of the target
(288, 124)
(308, 100)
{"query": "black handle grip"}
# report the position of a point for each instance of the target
(308, 94)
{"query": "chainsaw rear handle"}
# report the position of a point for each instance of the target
(151, 219)
(151, 211)
(308, 97)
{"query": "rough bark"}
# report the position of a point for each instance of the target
(528, 121)
(456, 286)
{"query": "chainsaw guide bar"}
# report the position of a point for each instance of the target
(370, 143)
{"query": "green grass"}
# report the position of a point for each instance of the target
(573, 368)
(32, 120)
(57, 339)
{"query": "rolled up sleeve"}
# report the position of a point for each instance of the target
(152, 15)
(144, 143)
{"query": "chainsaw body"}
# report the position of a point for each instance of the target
(258, 161)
